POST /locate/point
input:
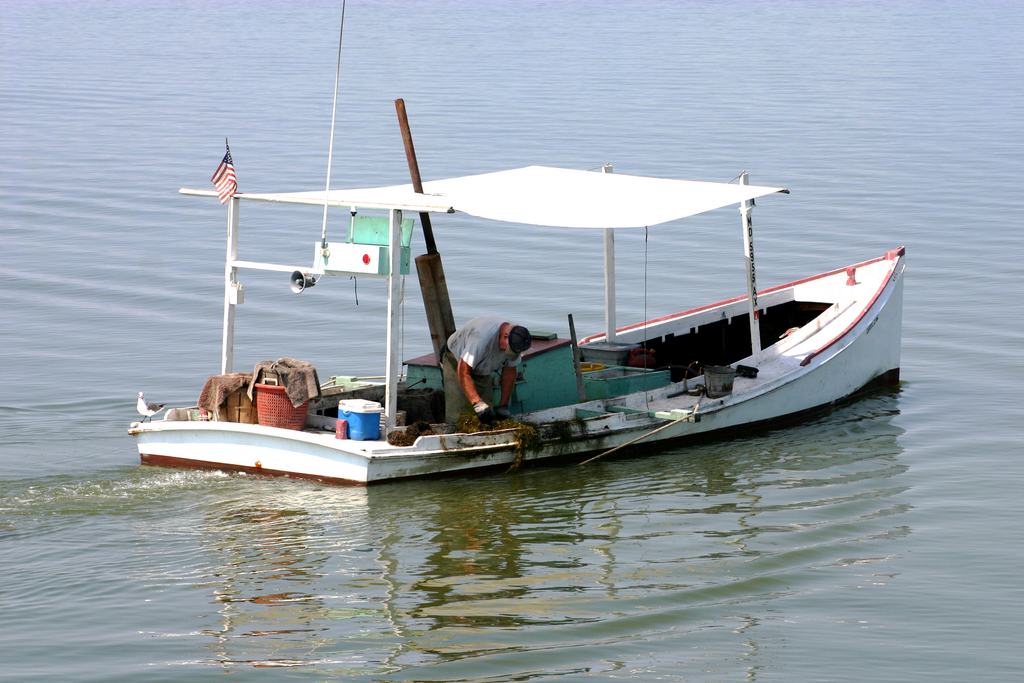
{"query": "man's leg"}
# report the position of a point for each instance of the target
(455, 401)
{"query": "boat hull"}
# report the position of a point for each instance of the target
(848, 350)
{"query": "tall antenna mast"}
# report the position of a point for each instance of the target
(334, 110)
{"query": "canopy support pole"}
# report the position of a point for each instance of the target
(748, 258)
(394, 366)
(609, 277)
(227, 351)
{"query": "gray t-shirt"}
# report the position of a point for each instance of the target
(476, 342)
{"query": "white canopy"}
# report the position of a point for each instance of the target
(542, 195)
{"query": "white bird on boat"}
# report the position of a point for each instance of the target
(146, 408)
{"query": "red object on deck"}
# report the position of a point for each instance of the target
(640, 358)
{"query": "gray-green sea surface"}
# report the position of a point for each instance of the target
(879, 541)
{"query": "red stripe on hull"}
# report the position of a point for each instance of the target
(185, 463)
(885, 283)
(889, 256)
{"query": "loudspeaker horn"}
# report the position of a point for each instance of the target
(298, 281)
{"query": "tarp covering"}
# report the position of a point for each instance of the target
(542, 195)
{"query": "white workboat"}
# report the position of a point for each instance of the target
(803, 345)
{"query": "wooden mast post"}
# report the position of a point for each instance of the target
(433, 286)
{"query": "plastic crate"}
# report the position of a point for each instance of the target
(275, 409)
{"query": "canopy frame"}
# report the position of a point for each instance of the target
(536, 195)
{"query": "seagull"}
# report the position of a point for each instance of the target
(146, 408)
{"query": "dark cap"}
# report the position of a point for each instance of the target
(519, 339)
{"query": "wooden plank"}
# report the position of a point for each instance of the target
(436, 304)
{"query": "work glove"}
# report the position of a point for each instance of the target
(483, 411)
(502, 413)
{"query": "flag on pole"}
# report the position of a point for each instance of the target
(224, 178)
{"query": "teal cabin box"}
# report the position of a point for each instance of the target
(546, 377)
(366, 250)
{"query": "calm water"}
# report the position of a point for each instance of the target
(882, 541)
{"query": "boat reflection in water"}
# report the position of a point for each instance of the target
(576, 563)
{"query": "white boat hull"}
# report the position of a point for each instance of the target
(853, 345)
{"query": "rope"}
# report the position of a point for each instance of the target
(644, 436)
(330, 148)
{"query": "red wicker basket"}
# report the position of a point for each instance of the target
(275, 409)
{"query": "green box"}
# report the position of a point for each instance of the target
(619, 381)
(548, 381)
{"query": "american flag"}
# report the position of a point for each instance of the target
(224, 178)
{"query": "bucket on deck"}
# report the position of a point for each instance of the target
(718, 380)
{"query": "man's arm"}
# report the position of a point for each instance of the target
(466, 382)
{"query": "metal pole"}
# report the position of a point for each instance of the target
(580, 388)
(748, 257)
(393, 367)
(609, 277)
(230, 277)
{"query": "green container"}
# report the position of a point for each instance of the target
(619, 381)
(546, 380)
